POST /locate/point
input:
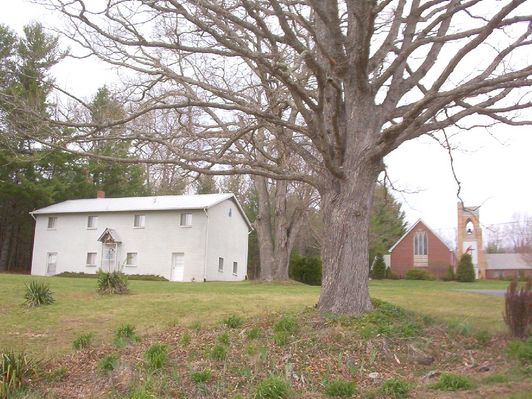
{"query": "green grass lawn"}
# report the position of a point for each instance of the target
(152, 306)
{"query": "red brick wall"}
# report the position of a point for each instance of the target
(507, 273)
(402, 256)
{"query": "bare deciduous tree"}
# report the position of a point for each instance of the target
(338, 83)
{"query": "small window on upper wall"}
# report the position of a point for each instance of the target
(52, 222)
(131, 259)
(235, 268)
(220, 264)
(139, 221)
(91, 258)
(92, 222)
(230, 212)
(185, 220)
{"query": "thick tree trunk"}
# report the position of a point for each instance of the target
(346, 207)
(280, 229)
(6, 247)
(264, 232)
(276, 230)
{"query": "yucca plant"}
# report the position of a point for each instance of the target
(112, 283)
(156, 356)
(15, 369)
(124, 334)
(37, 294)
(83, 341)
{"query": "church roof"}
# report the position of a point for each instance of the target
(412, 227)
(508, 261)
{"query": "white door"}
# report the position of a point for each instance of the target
(178, 266)
(51, 263)
(109, 257)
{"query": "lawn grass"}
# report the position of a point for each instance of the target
(446, 301)
(154, 305)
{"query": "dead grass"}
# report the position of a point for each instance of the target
(319, 350)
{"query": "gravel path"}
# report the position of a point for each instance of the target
(487, 292)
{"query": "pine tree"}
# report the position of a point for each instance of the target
(31, 176)
(115, 178)
(206, 185)
(466, 271)
(387, 222)
(379, 268)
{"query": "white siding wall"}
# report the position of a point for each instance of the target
(228, 239)
(154, 244)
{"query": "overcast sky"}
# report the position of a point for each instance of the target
(494, 169)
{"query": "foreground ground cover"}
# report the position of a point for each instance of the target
(153, 306)
(389, 353)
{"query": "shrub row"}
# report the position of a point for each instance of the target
(308, 270)
(144, 277)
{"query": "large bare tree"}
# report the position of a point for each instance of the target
(338, 83)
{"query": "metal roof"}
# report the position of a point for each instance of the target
(132, 204)
(508, 261)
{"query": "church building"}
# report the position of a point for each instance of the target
(421, 247)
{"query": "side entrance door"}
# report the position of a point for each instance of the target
(178, 266)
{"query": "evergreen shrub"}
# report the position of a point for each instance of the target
(450, 276)
(305, 269)
(466, 271)
(379, 268)
(418, 274)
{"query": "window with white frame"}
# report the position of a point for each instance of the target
(139, 221)
(221, 265)
(91, 258)
(52, 222)
(51, 263)
(185, 220)
(131, 259)
(420, 243)
(235, 268)
(92, 222)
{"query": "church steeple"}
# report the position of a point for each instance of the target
(469, 237)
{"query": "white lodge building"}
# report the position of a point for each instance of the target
(182, 237)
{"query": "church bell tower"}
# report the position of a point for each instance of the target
(469, 237)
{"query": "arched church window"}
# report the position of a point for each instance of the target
(420, 243)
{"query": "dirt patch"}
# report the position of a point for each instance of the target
(366, 351)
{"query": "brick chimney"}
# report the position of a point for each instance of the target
(100, 194)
